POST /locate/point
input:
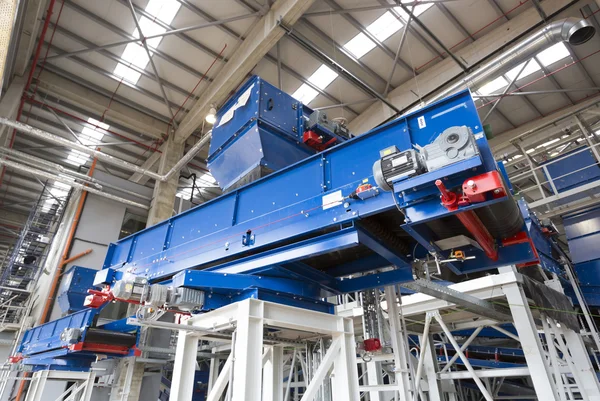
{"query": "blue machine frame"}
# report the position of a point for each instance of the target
(253, 241)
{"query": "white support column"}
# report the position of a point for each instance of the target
(273, 375)
(398, 337)
(213, 371)
(430, 367)
(182, 386)
(545, 387)
(247, 366)
(583, 365)
(374, 377)
(36, 387)
(344, 379)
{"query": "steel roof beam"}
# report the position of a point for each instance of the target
(372, 37)
(122, 33)
(116, 78)
(414, 32)
(432, 80)
(268, 57)
(110, 56)
(121, 99)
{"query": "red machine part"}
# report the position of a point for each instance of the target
(15, 358)
(476, 188)
(98, 298)
(470, 220)
(372, 344)
(101, 348)
(521, 238)
(315, 141)
(363, 188)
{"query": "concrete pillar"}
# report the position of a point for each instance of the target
(163, 198)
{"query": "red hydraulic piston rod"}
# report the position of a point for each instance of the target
(470, 220)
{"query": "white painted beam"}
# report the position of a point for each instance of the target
(265, 34)
(432, 79)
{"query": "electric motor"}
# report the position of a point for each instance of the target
(395, 165)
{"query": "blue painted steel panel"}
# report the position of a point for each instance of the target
(581, 224)
(73, 288)
(564, 172)
(47, 336)
(586, 248)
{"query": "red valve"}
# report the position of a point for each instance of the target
(372, 344)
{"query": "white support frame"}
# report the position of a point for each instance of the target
(244, 372)
(80, 391)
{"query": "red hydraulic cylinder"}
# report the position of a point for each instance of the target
(471, 222)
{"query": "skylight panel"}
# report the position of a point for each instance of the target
(164, 10)
(553, 54)
(532, 67)
(136, 55)
(493, 86)
(305, 94)
(322, 77)
(385, 26)
(121, 70)
(418, 10)
(360, 45)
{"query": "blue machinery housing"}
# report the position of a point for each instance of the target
(320, 223)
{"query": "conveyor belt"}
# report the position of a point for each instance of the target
(99, 336)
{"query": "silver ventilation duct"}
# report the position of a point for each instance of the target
(575, 31)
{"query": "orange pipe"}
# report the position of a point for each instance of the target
(65, 257)
(73, 258)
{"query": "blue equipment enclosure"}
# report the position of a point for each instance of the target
(74, 288)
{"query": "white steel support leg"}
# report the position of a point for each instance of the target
(398, 337)
(465, 360)
(213, 371)
(344, 380)
(431, 369)
(182, 386)
(36, 388)
(530, 342)
(221, 381)
(87, 391)
(553, 355)
(247, 366)
(273, 375)
(588, 381)
(321, 373)
(374, 377)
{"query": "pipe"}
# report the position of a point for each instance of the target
(73, 258)
(28, 129)
(56, 279)
(57, 167)
(576, 31)
(49, 176)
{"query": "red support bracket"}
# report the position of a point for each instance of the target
(477, 188)
(470, 220)
(315, 141)
(100, 348)
(521, 238)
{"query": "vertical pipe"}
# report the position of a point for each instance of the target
(47, 306)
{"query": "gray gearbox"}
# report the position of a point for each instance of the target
(451, 146)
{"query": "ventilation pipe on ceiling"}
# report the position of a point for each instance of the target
(46, 136)
(49, 176)
(574, 31)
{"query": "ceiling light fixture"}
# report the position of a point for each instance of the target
(211, 117)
